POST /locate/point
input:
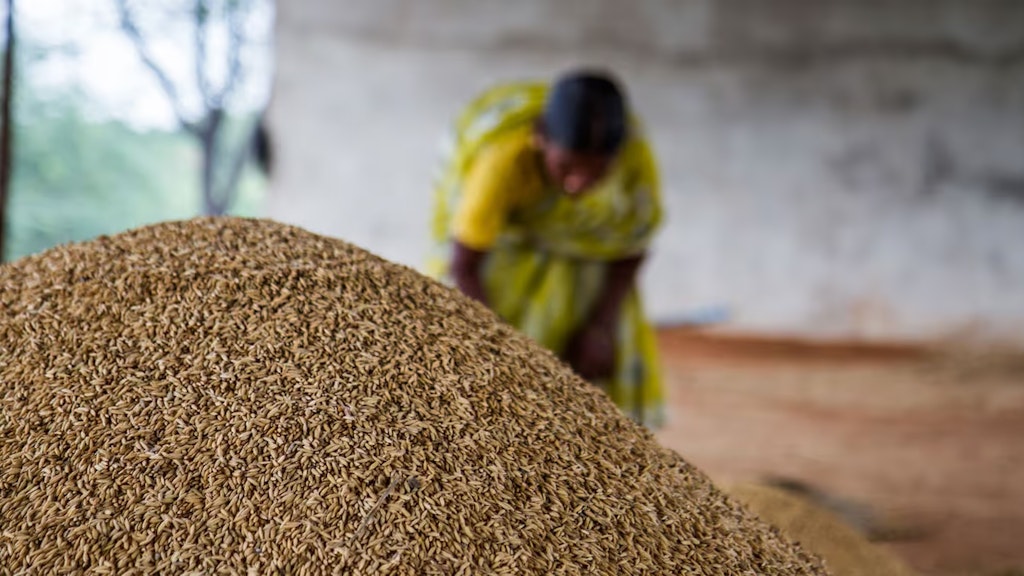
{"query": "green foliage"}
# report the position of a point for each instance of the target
(75, 179)
(79, 173)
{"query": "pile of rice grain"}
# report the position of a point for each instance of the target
(232, 395)
(818, 529)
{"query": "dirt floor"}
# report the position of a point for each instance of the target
(931, 440)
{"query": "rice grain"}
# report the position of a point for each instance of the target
(229, 395)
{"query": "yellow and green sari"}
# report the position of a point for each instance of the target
(547, 253)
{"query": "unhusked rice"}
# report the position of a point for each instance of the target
(232, 395)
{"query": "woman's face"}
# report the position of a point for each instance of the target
(575, 172)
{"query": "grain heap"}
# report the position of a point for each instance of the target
(237, 394)
(821, 531)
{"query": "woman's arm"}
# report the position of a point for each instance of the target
(466, 265)
(591, 351)
(622, 273)
(620, 278)
(488, 194)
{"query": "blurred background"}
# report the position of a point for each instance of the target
(839, 284)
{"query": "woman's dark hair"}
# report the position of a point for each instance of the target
(585, 112)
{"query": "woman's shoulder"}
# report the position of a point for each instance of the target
(499, 110)
(512, 150)
(508, 168)
(495, 105)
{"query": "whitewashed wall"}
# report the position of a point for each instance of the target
(832, 168)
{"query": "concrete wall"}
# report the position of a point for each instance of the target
(832, 168)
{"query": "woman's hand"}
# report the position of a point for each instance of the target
(466, 264)
(591, 351)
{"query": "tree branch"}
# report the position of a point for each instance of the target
(135, 35)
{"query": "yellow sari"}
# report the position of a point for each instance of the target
(547, 253)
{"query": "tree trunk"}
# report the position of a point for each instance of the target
(238, 161)
(219, 194)
(208, 146)
(6, 131)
